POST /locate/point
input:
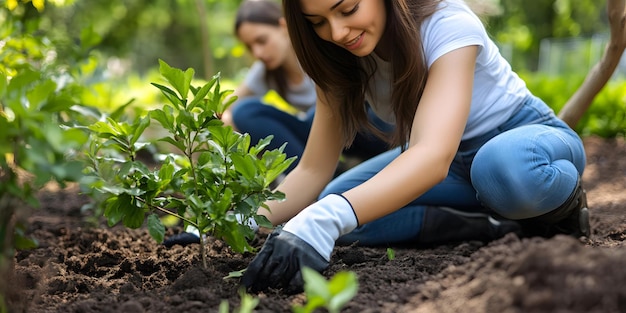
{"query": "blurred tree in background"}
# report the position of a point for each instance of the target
(133, 34)
(522, 25)
(139, 32)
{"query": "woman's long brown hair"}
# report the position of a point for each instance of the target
(342, 75)
(264, 12)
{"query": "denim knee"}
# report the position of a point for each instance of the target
(245, 110)
(527, 171)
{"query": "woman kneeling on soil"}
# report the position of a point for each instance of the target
(475, 143)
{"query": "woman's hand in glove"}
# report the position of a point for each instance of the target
(306, 240)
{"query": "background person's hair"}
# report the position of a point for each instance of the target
(266, 12)
(339, 72)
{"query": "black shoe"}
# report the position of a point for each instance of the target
(577, 223)
(446, 225)
(571, 218)
(182, 239)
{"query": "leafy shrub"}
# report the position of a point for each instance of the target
(34, 147)
(38, 102)
(215, 182)
(606, 117)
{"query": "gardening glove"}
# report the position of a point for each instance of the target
(191, 234)
(307, 240)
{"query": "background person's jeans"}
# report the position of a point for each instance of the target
(526, 167)
(260, 120)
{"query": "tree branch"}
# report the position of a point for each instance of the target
(600, 74)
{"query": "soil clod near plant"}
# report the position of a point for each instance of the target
(81, 268)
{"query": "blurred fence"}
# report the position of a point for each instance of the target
(569, 56)
(566, 56)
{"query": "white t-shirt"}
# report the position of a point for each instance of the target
(497, 91)
(301, 96)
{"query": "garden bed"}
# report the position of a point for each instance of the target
(78, 268)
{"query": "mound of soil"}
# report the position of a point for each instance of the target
(81, 268)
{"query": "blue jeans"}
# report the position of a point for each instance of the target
(524, 168)
(260, 120)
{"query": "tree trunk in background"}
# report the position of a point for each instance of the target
(207, 60)
(600, 74)
(7, 247)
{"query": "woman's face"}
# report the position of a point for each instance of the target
(267, 43)
(355, 25)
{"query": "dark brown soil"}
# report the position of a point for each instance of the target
(78, 268)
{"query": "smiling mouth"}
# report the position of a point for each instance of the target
(355, 40)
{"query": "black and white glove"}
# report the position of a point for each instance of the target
(307, 239)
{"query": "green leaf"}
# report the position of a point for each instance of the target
(332, 295)
(87, 111)
(134, 216)
(170, 95)
(231, 232)
(178, 144)
(248, 302)
(166, 172)
(199, 96)
(261, 145)
(275, 164)
(315, 283)
(40, 93)
(21, 240)
(89, 38)
(223, 105)
(226, 104)
(18, 84)
(156, 228)
(3, 83)
(122, 128)
(177, 78)
(165, 117)
(224, 307)
(245, 165)
(104, 129)
(244, 145)
(223, 136)
(71, 171)
(391, 254)
(113, 210)
(262, 221)
(113, 190)
(343, 286)
(57, 103)
(138, 128)
(119, 112)
(187, 119)
(235, 274)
